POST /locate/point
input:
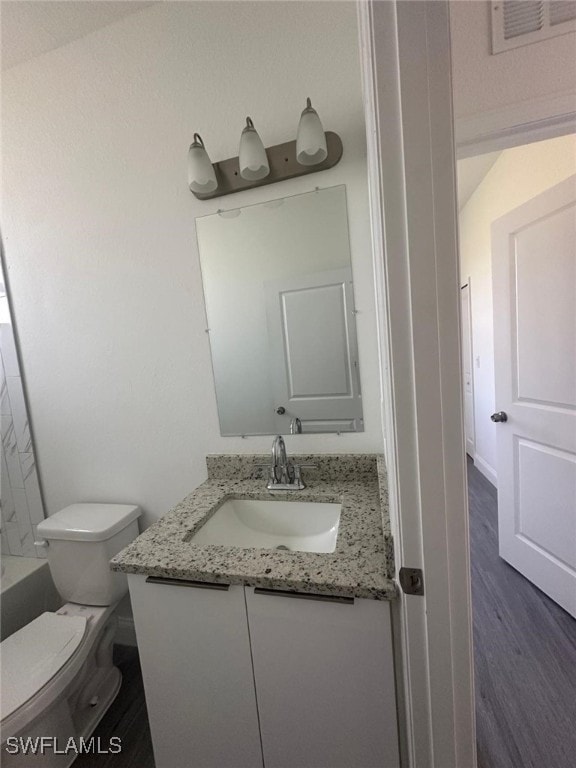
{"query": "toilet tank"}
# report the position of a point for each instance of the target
(81, 540)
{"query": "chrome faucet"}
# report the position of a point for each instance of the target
(283, 474)
(282, 470)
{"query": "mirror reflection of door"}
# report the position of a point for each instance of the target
(293, 252)
(313, 352)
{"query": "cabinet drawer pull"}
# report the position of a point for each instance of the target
(304, 595)
(187, 583)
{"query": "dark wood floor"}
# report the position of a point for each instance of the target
(525, 655)
(525, 665)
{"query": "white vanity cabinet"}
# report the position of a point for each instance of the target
(244, 678)
(324, 681)
(198, 679)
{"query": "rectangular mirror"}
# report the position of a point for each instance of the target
(279, 297)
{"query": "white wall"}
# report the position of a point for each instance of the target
(483, 81)
(518, 175)
(99, 231)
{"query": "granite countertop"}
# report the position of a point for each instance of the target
(362, 564)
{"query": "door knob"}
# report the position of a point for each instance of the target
(499, 416)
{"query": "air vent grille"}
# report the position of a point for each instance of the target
(521, 22)
(521, 17)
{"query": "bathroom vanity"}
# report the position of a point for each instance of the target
(255, 656)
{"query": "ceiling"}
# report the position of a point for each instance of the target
(32, 27)
(470, 173)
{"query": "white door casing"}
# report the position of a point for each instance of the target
(313, 351)
(467, 367)
(405, 56)
(534, 289)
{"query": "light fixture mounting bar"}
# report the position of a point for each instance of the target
(283, 165)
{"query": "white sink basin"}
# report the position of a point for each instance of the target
(296, 525)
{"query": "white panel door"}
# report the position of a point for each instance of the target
(313, 351)
(534, 285)
(467, 368)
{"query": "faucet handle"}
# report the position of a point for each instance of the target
(295, 426)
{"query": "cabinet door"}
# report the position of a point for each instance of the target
(324, 682)
(197, 670)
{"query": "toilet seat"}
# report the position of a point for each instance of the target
(81, 624)
(33, 655)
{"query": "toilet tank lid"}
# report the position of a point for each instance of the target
(88, 522)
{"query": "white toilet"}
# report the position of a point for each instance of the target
(58, 678)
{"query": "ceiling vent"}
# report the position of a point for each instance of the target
(521, 22)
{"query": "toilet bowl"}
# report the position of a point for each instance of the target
(58, 677)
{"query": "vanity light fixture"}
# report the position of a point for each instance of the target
(201, 176)
(313, 150)
(252, 155)
(311, 146)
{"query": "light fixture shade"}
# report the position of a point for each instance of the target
(201, 176)
(311, 139)
(252, 155)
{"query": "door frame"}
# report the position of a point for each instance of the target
(468, 284)
(406, 78)
(521, 123)
(414, 230)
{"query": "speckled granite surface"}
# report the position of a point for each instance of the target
(361, 566)
(357, 467)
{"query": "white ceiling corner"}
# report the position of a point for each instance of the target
(470, 173)
(30, 28)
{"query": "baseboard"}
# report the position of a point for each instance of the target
(488, 471)
(125, 634)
